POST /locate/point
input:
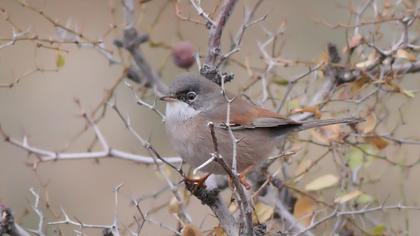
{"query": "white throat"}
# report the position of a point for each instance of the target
(178, 111)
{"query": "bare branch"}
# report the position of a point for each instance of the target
(197, 5)
(243, 201)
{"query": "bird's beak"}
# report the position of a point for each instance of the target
(168, 98)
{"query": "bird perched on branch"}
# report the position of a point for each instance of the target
(194, 101)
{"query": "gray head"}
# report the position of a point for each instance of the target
(190, 94)
(194, 90)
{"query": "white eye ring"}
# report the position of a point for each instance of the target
(191, 96)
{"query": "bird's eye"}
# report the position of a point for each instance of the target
(191, 96)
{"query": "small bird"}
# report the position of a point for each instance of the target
(194, 101)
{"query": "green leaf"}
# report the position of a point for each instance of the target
(364, 199)
(59, 60)
(293, 104)
(370, 151)
(355, 158)
(281, 82)
(360, 156)
(378, 230)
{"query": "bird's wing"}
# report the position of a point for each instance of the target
(261, 118)
(244, 115)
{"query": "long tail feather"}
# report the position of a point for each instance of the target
(319, 123)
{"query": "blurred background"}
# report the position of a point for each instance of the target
(41, 106)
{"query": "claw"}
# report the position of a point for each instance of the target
(200, 182)
(244, 182)
(242, 177)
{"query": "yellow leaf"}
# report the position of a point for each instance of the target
(218, 231)
(347, 197)
(59, 60)
(401, 53)
(378, 230)
(174, 206)
(322, 182)
(292, 104)
(302, 168)
(191, 230)
(263, 212)
(281, 81)
(304, 210)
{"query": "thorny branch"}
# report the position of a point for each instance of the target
(216, 31)
(44, 155)
(131, 41)
(245, 208)
(365, 210)
(215, 58)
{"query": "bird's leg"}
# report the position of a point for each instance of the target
(242, 177)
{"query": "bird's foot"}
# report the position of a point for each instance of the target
(199, 182)
(242, 177)
(244, 182)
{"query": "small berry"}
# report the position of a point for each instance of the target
(183, 54)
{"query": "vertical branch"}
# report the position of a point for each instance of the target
(245, 208)
(35, 207)
(215, 33)
(131, 41)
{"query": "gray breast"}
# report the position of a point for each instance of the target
(193, 142)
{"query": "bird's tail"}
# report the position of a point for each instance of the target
(319, 123)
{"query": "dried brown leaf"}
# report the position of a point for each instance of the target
(401, 53)
(357, 85)
(304, 209)
(369, 124)
(191, 230)
(325, 57)
(326, 134)
(377, 141)
(312, 109)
